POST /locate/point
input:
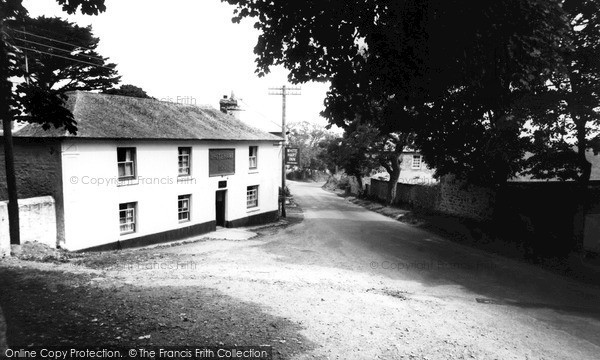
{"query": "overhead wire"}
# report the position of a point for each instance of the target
(71, 58)
(63, 57)
(51, 39)
(59, 49)
(259, 113)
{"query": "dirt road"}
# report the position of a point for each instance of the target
(340, 283)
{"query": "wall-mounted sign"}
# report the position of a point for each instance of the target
(292, 156)
(221, 162)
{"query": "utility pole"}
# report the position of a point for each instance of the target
(283, 91)
(9, 162)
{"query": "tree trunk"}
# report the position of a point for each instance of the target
(394, 176)
(392, 166)
(11, 181)
(582, 188)
(360, 184)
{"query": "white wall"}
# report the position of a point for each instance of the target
(92, 196)
(37, 222)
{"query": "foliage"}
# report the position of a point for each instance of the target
(49, 77)
(412, 66)
(308, 136)
(43, 104)
(128, 90)
(349, 153)
(564, 112)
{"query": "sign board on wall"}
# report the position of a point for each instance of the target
(221, 162)
(292, 156)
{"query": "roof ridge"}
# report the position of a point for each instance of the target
(100, 115)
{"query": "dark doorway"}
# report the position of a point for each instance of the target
(220, 207)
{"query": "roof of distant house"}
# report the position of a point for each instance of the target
(122, 117)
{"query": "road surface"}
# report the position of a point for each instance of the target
(503, 307)
(341, 282)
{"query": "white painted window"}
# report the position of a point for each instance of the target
(127, 218)
(253, 157)
(184, 161)
(126, 163)
(183, 205)
(252, 196)
(416, 161)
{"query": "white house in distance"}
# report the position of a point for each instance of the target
(142, 171)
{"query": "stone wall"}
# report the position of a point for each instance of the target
(37, 222)
(38, 171)
(539, 214)
(464, 200)
(449, 196)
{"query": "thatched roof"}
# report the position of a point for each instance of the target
(121, 117)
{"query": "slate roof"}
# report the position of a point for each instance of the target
(121, 117)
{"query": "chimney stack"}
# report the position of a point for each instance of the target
(229, 105)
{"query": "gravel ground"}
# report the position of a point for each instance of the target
(279, 289)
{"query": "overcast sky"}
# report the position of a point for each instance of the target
(190, 49)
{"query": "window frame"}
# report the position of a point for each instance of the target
(179, 160)
(420, 161)
(252, 200)
(130, 206)
(253, 157)
(180, 200)
(124, 163)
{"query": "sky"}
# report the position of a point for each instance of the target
(189, 51)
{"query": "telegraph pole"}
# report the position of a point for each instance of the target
(283, 91)
(9, 160)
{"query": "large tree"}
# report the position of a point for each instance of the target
(60, 56)
(351, 152)
(564, 112)
(13, 105)
(394, 64)
(307, 136)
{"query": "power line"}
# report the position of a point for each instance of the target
(50, 39)
(63, 57)
(55, 48)
(259, 113)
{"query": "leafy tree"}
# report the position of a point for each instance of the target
(351, 153)
(128, 90)
(38, 104)
(408, 67)
(308, 136)
(365, 148)
(564, 112)
(469, 143)
(55, 68)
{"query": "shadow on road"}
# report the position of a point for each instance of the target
(55, 308)
(338, 236)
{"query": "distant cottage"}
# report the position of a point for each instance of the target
(142, 171)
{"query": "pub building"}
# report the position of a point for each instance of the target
(143, 171)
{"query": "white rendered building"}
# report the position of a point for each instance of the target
(142, 171)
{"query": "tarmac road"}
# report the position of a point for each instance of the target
(340, 282)
(340, 234)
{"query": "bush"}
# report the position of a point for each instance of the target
(287, 191)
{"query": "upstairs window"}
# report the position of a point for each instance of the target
(183, 205)
(416, 161)
(126, 163)
(252, 196)
(127, 218)
(253, 157)
(184, 161)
